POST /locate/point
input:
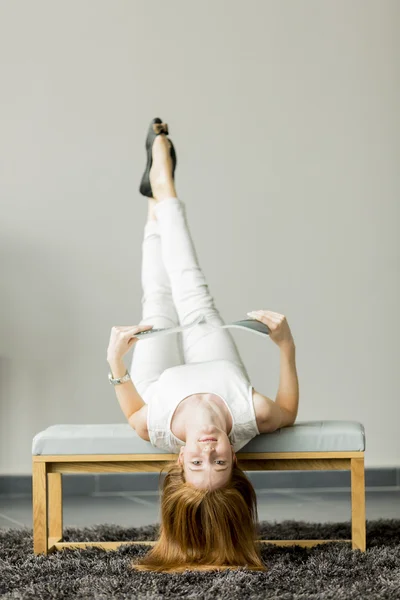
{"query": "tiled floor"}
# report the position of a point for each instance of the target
(142, 508)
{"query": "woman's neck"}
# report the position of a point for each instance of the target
(200, 410)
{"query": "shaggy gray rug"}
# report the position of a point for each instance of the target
(327, 571)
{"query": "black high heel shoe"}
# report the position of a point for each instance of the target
(156, 127)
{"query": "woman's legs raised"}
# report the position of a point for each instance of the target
(190, 291)
(152, 356)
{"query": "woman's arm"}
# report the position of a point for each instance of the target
(129, 399)
(272, 415)
(287, 396)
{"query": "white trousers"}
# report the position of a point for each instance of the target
(175, 292)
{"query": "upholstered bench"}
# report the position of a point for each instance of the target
(116, 448)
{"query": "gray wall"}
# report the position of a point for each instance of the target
(285, 119)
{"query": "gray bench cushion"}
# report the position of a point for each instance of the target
(303, 436)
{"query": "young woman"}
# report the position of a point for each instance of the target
(195, 400)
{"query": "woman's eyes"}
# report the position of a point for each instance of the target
(198, 462)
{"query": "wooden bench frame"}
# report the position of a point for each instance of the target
(47, 488)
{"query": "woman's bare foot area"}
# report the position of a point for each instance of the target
(161, 180)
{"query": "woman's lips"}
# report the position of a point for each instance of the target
(208, 440)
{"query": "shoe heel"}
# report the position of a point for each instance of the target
(160, 128)
(156, 127)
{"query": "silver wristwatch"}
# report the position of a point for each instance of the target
(118, 380)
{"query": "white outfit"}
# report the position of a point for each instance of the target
(167, 369)
(221, 377)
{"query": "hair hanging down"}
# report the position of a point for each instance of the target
(203, 529)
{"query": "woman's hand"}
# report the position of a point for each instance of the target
(122, 339)
(279, 329)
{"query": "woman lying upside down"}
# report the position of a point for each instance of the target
(201, 405)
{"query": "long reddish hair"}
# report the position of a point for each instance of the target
(204, 529)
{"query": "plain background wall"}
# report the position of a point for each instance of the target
(285, 117)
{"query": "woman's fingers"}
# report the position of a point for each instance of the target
(143, 327)
(131, 328)
(131, 332)
(266, 314)
(279, 329)
(271, 321)
(123, 337)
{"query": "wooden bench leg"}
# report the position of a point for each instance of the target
(39, 507)
(358, 523)
(55, 509)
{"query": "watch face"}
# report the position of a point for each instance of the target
(118, 379)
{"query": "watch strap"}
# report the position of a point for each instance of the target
(118, 380)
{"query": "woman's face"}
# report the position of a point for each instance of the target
(207, 458)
